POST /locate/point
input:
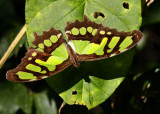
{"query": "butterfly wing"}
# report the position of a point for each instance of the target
(89, 40)
(92, 41)
(49, 58)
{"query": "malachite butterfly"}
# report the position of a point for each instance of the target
(86, 41)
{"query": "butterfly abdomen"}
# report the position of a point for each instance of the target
(73, 57)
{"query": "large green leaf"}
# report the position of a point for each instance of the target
(93, 82)
(43, 14)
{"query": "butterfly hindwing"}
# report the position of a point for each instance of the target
(49, 58)
(104, 43)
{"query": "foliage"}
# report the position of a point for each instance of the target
(92, 88)
(139, 91)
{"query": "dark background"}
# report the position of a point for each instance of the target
(138, 93)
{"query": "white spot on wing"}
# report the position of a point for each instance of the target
(68, 32)
(72, 46)
(112, 55)
(59, 35)
(123, 50)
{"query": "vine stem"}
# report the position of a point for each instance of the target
(13, 45)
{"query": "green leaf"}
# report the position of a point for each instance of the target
(90, 85)
(116, 16)
(93, 82)
(43, 105)
(12, 97)
(42, 15)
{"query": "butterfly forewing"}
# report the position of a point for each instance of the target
(48, 41)
(104, 43)
(109, 42)
(49, 58)
(80, 34)
(82, 30)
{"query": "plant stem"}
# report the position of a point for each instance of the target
(13, 45)
(62, 105)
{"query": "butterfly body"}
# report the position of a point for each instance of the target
(73, 57)
(86, 41)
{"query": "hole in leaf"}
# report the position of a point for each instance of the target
(74, 92)
(126, 5)
(87, 79)
(99, 15)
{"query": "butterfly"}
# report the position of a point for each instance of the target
(86, 41)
